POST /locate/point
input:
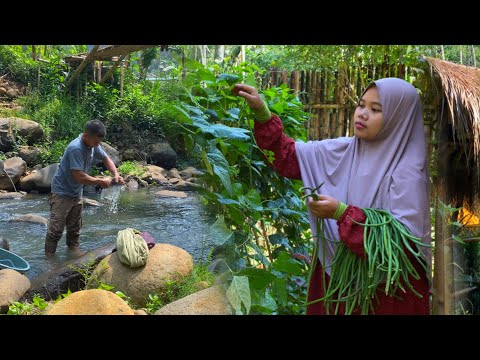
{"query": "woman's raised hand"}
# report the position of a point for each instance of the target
(250, 94)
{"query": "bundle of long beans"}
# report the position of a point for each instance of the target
(354, 281)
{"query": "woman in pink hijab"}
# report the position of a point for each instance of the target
(383, 166)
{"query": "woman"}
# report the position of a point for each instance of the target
(383, 166)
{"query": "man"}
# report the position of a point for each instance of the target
(65, 199)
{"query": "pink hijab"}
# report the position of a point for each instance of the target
(390, 172)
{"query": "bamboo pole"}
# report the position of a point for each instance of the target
(112, 68)
(82, 65)
(326, 112)
(121, 79)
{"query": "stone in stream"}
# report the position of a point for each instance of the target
(165, 262)
(132, 184)
(210, 301)
(11, 195)
(169, 193)
(4, 244)
(174, 173)
(155, 174)
(91, 202)
(184, 185)
(14, 168)
(12, 287)
(40, 180)
(91, 302)
(31, 218)
(190, 172)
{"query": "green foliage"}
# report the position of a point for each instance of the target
(175, 290)
(61, 116)
(131, 168)
(262, 220)
(17, 63)
(36, 307)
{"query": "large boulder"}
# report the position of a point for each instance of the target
(165, 262)
(162, 154)
(31, 218)
(11, 127)
(14, 167)
(155, 174)
(40, 180)
(112, 153)
(12, 287)
(30, 154)
(210, 301)
(91, 302)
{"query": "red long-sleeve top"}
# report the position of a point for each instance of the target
(269, 136)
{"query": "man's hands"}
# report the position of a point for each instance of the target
(104, 182)
(117, 179)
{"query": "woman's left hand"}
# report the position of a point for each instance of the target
(324, 207)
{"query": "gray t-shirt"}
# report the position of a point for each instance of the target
(77, 156)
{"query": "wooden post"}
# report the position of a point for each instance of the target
(82, 65)
(34, 52)
(284, 77)
(99, 71)
(296, 82)
(112, 68)
(341, 101)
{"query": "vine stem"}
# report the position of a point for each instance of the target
(266, 240)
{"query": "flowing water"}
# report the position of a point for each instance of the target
(178, 221)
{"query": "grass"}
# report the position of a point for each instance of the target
(176, 290)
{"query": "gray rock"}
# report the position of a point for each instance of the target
(12, 93)
(3, 91)
(132, 154)
(14, 167)
(162, 154)
(190, 172)
(40, 180)
(132, 184)
(4, 244)
(112, 153)
(12, 287)
(184, 185)
(11, 195)
(27, 129)
(210, 301)
(31, 218)
(29, 154)
(174, 173)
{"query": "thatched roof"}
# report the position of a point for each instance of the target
(461, 89)
(109, 52)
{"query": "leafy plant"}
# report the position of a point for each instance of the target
(36, 307)
(261, 220)
(131, 168)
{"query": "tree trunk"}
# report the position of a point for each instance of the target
(203, 54)
(219, 52)
(443, 52)
(461, 55)
(242, 54)
(473, 56)
(34, 52)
